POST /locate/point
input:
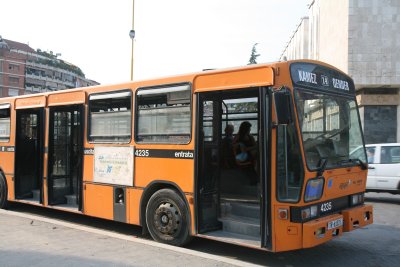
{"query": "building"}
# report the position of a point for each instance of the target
(362, 38)
(25, 71)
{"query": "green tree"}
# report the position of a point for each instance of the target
(254, 55)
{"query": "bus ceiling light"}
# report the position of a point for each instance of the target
(314, 189)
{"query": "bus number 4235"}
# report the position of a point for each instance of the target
(326, 206)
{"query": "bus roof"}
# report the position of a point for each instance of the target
(208, 80)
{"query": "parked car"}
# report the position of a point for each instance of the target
(384, 167)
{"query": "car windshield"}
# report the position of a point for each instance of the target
(330, 128)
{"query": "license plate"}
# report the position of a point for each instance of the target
(335, 223)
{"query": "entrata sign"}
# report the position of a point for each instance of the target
(320, 77)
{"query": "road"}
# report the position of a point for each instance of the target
(41, 237)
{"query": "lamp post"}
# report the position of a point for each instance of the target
(132, 35)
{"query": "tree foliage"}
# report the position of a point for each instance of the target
(254, 55)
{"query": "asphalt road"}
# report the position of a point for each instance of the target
(37, 242)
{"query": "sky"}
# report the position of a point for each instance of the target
(172, 36)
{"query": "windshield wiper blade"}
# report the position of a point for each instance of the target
(362, 164)
(321, 166)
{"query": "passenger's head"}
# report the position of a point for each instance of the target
(229, 129)
(244, 128)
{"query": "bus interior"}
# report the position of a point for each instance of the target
(29, 155)
(64, 168)
(65, 157)
(229, 187)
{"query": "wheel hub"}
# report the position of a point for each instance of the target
(167, 219)
(164, 219)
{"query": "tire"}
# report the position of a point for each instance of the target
(3, 192)
(167, 218)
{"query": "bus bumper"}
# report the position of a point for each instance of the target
(321, 230)
(357, 217)
(324, 229)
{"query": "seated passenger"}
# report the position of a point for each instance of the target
(245, 147)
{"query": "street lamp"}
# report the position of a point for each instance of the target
(132, 35)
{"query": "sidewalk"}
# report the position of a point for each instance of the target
(30, 240)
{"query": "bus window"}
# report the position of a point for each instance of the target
(330, 128)
(4, 122)
(208, 127)
(110, 117)
(164, 115)
(289, 171)
(235, 111)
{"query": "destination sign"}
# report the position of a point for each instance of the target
(320, 77)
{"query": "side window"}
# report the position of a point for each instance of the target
(110, 117)
(5, 122)
(235, 111)
(370, 154)
(164, 114)
(208, 121)
(390, 154)
(289, 164)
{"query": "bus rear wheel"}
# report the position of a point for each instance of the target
(3, 192)
(167, 218)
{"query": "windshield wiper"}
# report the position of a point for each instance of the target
(321, 166)
(362, 164)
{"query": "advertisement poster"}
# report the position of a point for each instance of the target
(113, 165)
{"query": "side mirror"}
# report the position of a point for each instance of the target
(282, 104)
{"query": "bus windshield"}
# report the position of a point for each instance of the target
(330, 129)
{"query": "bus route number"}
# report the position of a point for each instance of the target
(326, 206)
(142, 153)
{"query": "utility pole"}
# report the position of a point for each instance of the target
(132, 35)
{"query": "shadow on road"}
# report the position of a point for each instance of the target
(112, 226)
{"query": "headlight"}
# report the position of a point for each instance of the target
(309, 212)
(314, 211)
(357, 199)
(314, 189)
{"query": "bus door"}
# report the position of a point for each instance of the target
(29, 151)
(208, 162)
(265, 166)
(65, 156)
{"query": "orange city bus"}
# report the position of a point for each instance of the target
(259, 156)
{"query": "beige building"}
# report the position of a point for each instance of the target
(362, 38)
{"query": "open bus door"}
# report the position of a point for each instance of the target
(29, 150)
(65, 156)
(265, 166)
(234, 201)
(207, 162)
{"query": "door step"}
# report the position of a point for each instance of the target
(241, 225)
(36, 194)
(242, 209)
(246, 210)
(71, 199)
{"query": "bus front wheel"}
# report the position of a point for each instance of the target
(167, 218)
(3, 192)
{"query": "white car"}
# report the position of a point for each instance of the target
(383, 167)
